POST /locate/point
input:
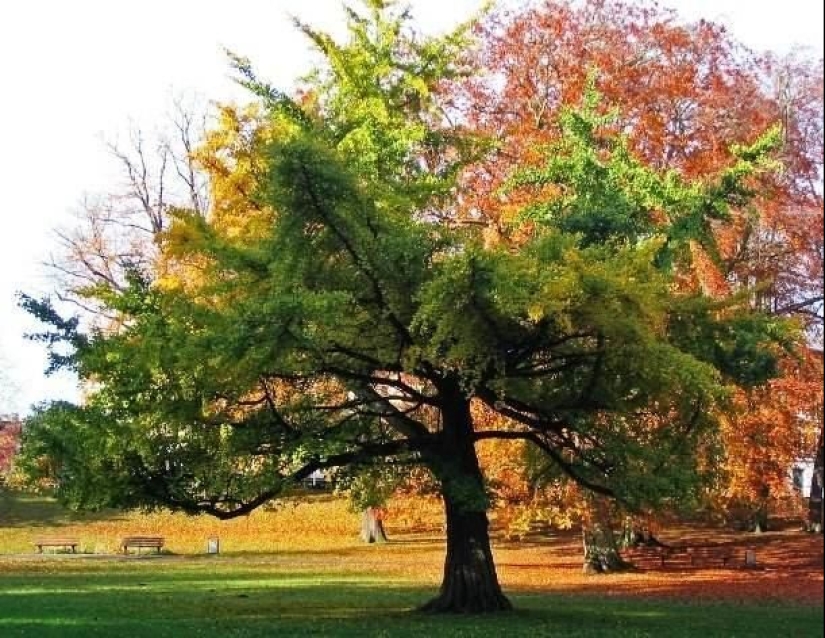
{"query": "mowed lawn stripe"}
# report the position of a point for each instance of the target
(196, 598)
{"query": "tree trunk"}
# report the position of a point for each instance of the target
(470, 583)
(816, 512)
(759, 521)
(601, 551)
(372, 526)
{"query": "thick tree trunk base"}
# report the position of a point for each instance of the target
(601, 553)
(470, 584)
(454, 602)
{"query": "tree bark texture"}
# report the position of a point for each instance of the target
(470, 583)
(372, 526)
(601, 551)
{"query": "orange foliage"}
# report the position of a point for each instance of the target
(684, 93)
(521, 502)
(9, 442)
(773, 426)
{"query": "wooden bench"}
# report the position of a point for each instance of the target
(141, 541)
(660, 553)
(705, 553)
(40, 543)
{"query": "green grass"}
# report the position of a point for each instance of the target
(231, 596)
(298, 572)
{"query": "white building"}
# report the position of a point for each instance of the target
(801, 475)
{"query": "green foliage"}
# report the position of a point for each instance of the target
(381, 106)
(604, 194)
(357, 329)
(62, 331)
(734, 342)
(370, 487)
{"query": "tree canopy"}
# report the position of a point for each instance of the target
(333, 308)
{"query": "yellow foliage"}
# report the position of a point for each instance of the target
(232, 156)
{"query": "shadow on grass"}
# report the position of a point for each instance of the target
(24, 509)
(223, 600)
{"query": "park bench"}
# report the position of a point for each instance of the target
(141, 541)
(72, 543)
(706, 553)
(660, 553)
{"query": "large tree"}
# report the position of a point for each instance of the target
(357, 322)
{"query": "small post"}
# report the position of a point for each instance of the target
(213, 545)
(750, 558)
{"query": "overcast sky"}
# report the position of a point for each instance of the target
(75, 73)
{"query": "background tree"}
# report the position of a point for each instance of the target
(369, 492)
(683, 93)
(116, 233)
(10, 429)
(770, 428)
(10, 425)
(331, 338)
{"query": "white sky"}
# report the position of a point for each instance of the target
(75, 72)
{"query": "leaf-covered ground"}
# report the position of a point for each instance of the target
(300, 570)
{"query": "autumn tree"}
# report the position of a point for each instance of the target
(769, 428)
(116, 232)
(683, 92)
(364, 306)
(10, 429)
(9, 422)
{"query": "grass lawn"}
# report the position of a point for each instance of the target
(300, 570)
(246, 596)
